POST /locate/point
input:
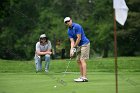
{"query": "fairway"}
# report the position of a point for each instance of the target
(44, 83)
(101, 77)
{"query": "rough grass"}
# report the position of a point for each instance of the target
(129, 64)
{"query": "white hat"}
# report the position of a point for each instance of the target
(42, 36)
(66, 19)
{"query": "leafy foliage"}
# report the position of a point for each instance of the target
(22, 21)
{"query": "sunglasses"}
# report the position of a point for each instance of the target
(42, 38)
(67, 21)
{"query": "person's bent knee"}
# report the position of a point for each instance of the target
(47, 56)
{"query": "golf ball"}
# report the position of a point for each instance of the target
(54, 86)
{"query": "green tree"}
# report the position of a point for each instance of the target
(129, 35)
(22, 22)
(103, 26)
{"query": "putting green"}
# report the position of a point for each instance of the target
(99, 82)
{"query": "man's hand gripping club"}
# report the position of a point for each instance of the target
(72, 51)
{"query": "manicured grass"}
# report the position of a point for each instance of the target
(100, 82)
(20, 77)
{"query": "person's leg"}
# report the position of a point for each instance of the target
(80, 66)
(78, 56)
(81, 57)
(47, 62)
(84, 55)
(83, 68)
(38, 63)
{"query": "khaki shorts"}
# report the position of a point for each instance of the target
(83, 52)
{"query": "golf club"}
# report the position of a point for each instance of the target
(75, 51)
(67, 67)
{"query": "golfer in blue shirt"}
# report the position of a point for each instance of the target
(79, 43)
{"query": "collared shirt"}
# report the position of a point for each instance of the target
(42, 48)
(77, 29)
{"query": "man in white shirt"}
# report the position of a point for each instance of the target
(43, 48)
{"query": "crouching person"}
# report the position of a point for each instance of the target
(43, 48)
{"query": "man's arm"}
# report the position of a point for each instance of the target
(77, 40)
(73, 43)
(43, 53)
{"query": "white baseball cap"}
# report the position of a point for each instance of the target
(42, 36)
(66, 19)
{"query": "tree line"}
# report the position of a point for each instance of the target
(22, 22)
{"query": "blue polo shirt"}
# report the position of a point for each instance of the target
(77, 29)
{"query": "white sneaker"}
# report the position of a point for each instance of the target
(78, 80)
(81, 79)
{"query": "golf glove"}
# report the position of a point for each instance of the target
(72, 51)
